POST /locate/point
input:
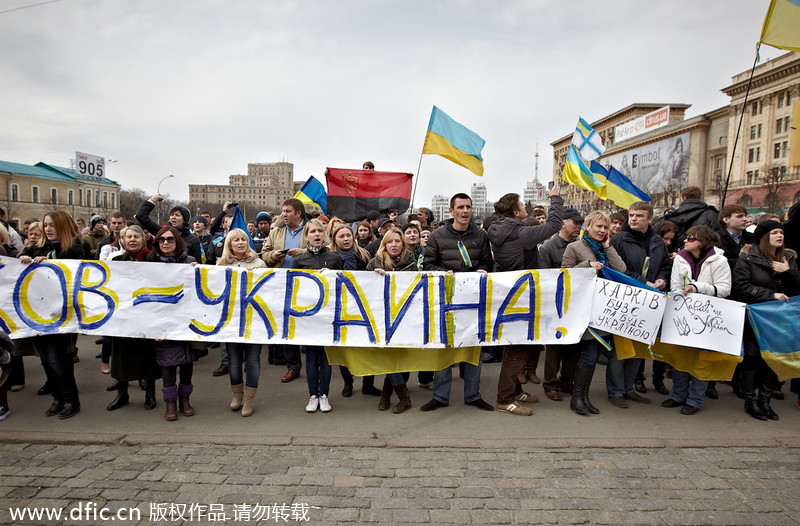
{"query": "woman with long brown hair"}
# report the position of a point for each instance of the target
(62, 240)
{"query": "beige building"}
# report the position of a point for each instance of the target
(694, 152)
(265, 187)
(31, 191)
(762, 176)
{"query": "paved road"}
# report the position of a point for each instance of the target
(644, 465)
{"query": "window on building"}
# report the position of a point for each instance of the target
(758, 154)
(54, 196)
(787, 121)
(70, 197)
(753, 131)
(780, 99)
(750, 177)
(788, 98)
(751, 155)
(88, 198)
(759, 131)
(746, 201)
(35, 194)
(754, 108)
(105, 199)
(755, 177)
(779, 126)
(15, 192)
(777, 153)
(97, 199)
(113, 200)
(785, 148)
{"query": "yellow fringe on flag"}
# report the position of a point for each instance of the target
(703, 365)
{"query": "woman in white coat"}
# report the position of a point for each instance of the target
(699, 268)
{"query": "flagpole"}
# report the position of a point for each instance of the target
(739, 128)
(414, 192)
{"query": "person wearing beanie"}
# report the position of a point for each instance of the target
(97, 232)
(200, 227)
(765, 271)
(263, 225)
(179, 217)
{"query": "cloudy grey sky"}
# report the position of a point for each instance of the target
(199, 88)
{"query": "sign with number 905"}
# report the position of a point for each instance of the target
(90, 165)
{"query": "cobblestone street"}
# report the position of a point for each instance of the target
(385, 485)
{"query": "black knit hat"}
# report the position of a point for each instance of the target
(762, 229)
(184, 212)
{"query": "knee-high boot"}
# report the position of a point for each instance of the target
(751, 405)
(764, 395)
(577, 403)
(589, 407)
(386, 395)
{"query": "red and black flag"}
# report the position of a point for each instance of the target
(353, 193)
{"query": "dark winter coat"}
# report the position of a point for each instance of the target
(325, 259)
(634, 246)
(693, 212)
(754, 280)
(191, 240)
(442, 253)
(515, 245)
(52, 250)
(732, 248)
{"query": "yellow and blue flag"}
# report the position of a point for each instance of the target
(454, 142)
(576, 172)
(313, 193)
(778, 335)
(619, 188)
(781, 25)
(239, 222)
(587, 141)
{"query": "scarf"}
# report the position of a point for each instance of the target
(696, 264)
(313, 249)
(597, 248)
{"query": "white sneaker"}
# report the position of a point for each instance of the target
(4, 412)
(313, 404)
(324, 405)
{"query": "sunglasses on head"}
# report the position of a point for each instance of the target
(163, 240)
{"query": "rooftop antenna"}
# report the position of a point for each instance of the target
(536, 164)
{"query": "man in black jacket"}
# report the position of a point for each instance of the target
(515, 248)
(179, 217)
(646, 258)
(444, 253)
(693, 212)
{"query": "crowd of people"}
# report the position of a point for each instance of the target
(694, 249)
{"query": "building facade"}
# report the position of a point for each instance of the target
(683, 152)
(440, 206)
(480, 201)
(31, 191)
(265, 187)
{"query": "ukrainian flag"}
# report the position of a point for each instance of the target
(781, 25)
(313, 193)
(619, 188)
(576, 172)
(778, 335)
(454, 142)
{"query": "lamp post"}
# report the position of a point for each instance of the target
(158, 191)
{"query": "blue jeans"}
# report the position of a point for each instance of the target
(620, 374)
(443, 380)
(318, 370)
(58, 365)
(687, 389)
(250, 354)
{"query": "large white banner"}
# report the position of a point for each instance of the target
(704, 322)
(628, 311)
(182, 302)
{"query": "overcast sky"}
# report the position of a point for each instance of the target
(200, 88)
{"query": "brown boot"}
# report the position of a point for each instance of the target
(247, 405)
(184, 391)
(171, 401)
(238, 393)
(386, 395)
(405, 399)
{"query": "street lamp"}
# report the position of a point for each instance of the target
(158, 191)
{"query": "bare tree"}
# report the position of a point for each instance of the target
(774, 181)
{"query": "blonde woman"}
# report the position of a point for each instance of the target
(237, 253)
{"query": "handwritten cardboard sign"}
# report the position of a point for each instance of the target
(704, 322)
(628, 311)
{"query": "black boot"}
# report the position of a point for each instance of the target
(122, 398)
(764, 396)
(150, 394)
(592, 409)
(577, 403)
(751, 405)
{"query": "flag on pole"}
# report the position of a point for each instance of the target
(619, 188)
(313, 193)
(587, 141)
(781, 25)
(353, 193)
(576, 172)
(239, 222)
(454, 142)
